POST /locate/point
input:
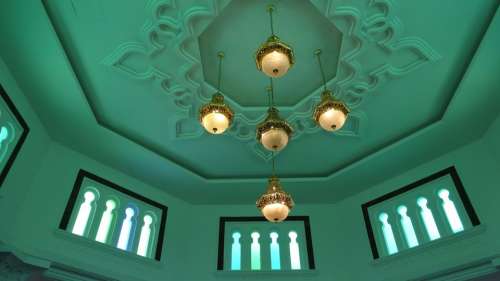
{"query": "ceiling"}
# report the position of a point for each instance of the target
(122, 82)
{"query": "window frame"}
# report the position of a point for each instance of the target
(450, 171)
(17, 148)
(82, 174)
(222, 230)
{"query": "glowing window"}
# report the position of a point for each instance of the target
(254, 244)
(82, 219)
(294, 251)
(106, 220)
(428, 218)
(110, 214)
(236, 252)
(255, 251)
(421, 212)
(407, 224)
(390, 242)
(451, 211)
(145, 238)
(275, 251)
(13, 133)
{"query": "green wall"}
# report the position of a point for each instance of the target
(341, 246)
(492, 138)
(37, 189)
(16, 185)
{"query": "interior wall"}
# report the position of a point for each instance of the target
(492, 138)
(341, 246)
(38, 234)
(35, 193)
(16, 185)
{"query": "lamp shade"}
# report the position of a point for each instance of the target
(216, 116)
(273, 133)
(275, 204)
(330, 114)
(274, 57)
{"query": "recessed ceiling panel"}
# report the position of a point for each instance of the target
(145, 69)
(240, 29)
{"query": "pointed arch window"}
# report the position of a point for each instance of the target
(434, 207)
(112, 215)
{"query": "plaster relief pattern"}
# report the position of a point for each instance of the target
(169, 42)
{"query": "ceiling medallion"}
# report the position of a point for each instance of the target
(274, 57)
(330, 114)
(216, 116)
(275, 204)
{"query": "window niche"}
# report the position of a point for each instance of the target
(109, 214)
(13, 133)
(253, 244)
(424, 211)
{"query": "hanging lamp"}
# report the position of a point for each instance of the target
(331, 113)
(274, 132)
(274, 57)
(216, 116)
(275, 204)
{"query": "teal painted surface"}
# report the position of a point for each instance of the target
(122, 202)
(426, 217)
(14, 189)
(265, 260)
(150, 113)
(298, 23)
(36, 192)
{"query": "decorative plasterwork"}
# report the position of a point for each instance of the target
(168, 55)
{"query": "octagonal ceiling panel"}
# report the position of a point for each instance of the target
(146, 68)
(240, 29)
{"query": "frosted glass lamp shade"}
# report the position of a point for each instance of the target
(215, 123)
(275, 212)
(216, 116)
(274, 139)
(330, 113)
(275, 204)
(273, 133)
(274, 57)
(332, 119)
(275, 64)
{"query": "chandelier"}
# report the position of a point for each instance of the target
(274, 132)
(275, 203)
(216, 116)
(274, 58)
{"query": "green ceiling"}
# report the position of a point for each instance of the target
(122, 81)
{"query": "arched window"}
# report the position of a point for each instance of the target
(106, 221)
(255, 251)
(145, 237)
(428, 218)
(275, 251)
(428, 209)
(84, 213)
(109, 214)
(406, 223)
(236, 252)
(126, 229)
(294, 251)
(450, 211)
(388, 234)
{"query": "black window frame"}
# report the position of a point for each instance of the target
(82, 174)
(450, 171)
(307, 231)
(22, 138)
